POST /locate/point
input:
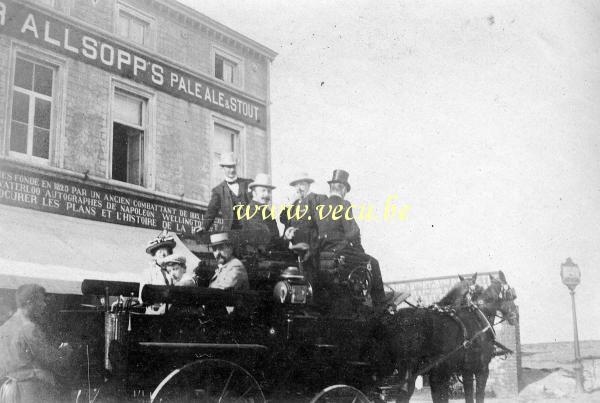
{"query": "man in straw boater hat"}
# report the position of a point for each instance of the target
(28, 361)
(300, 221)
(231, 192)
(342, 235)
(258, 214)
(230, 273)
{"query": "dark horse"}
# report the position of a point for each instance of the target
(442, 341)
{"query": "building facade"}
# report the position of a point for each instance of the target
(504, 371)
(114, 113)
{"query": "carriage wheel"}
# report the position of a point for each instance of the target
(340, 394)
(209, 381)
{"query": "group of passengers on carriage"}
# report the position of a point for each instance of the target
(245, 205)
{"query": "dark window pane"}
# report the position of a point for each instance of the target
(218, 67)
(20, 107)
(41, 142)
(24, 74)
(119, 153)
(18, 137)
(42, 113)
(43, 80)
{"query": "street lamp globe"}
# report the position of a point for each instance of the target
(570, 274)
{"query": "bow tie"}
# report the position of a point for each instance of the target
(233, 182)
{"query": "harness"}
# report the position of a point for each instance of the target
(467, 341)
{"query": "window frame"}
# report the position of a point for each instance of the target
(232, 57)
(136, 13)
(148, 127)
(234, 125)
(58, 66)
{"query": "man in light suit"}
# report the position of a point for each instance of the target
(231, 192)
(231, 273)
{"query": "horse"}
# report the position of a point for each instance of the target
(441, 341)
(456, 296)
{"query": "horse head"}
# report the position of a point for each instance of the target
(461, 293)
(499, 296)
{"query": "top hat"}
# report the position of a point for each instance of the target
(301, 177)
(340, 176)
(160, 241)
(227, 159)
(219, 238)
(174, 259)
(263, 180)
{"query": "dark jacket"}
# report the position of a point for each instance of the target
(221, 202)
(337, 234)
(297, 216)
(255, 221)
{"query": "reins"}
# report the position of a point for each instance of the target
(467, 342)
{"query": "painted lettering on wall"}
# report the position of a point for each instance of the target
(29, 189)
(33, 26)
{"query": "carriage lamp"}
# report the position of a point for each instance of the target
(293, 288)
(571, 277)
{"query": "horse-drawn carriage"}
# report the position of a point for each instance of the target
(281, 340)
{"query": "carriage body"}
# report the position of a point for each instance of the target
(291, 348)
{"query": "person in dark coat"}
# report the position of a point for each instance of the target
(227, 194)
(339, 233)
(300, 221)
(28, 361)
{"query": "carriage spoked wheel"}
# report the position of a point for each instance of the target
(209, 381)
(340, 394)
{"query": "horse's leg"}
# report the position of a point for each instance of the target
(438, 381)
(481, 378)
(468, 386)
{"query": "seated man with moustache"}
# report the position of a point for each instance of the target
(230, 273)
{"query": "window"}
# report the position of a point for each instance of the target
(228, 67)
(31, 118)
(225, 140)
(134, 25)
(129, 127)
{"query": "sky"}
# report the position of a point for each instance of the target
(482, 116)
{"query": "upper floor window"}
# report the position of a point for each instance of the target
(134, 25)
(129, 133)
(32, 102)
(225, 140)
(228, 67)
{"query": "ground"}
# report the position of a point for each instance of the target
(547, 375)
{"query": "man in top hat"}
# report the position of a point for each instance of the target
(175, 265)
(300, 218)
(231, 192)
(28, 362)
(342, 235)
(231, 273)
(258, 215)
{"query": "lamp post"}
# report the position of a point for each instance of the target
(571, 277)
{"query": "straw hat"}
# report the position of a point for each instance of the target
(301, 177)
(219, 238)
(227, 159)
(263, 180)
